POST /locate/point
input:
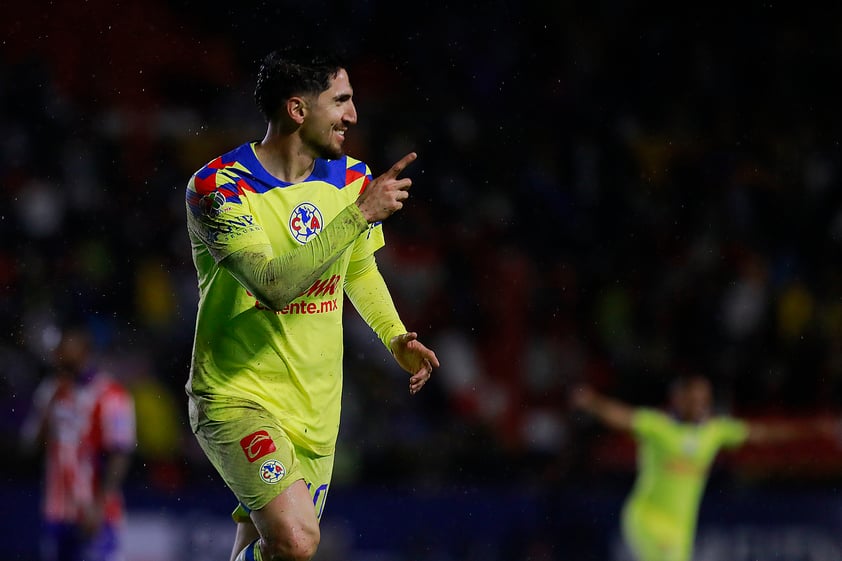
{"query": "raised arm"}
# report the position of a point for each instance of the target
(277, 280)
(775, 432)
(611, 412)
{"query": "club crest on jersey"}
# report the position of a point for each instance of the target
(305, 222)
(690, 444)
(272, 471)
(212, 203)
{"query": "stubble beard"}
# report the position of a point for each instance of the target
(325, 149)
(330, 153)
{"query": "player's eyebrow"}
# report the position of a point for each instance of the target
(345, 96)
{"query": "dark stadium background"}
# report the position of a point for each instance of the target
(603, 193)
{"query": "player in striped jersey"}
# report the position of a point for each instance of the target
(280, 230)
(84, 419)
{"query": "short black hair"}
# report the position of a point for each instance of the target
(293, 71)
(686, 379)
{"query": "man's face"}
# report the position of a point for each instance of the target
(71, 354)
(329, 116)
(692, 403)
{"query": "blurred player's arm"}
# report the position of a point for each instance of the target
(34, 429)
(119, 440)
(116, 470)
(276, 280)
(766, 433)
(114, 473)
(612, 412)
(774, 432)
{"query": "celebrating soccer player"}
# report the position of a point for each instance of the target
(675, 452)
(280, 229)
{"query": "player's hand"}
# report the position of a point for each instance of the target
(385, 194)
(415, 358)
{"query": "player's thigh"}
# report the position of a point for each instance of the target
(652, 536)
(289, 523)
(252, 453)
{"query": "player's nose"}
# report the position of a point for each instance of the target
(350, 116)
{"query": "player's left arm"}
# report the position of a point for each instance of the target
(369, 294)
(774, 432)
(114, 473)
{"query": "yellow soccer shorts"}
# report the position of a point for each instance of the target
(257, 459)
(654, 536)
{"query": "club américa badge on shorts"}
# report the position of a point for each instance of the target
(272, 471)
(255, 446)
(305, 221)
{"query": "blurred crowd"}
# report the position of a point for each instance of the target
(601, 195)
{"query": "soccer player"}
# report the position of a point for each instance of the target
(84, 419)
(675, 452)
(280, 228)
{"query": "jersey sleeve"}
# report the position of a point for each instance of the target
(117, 420)
(219, 215)
(731, 432)
(275, 280)
(368, 293)
(649, 424)
(372, 239)
(368, 242)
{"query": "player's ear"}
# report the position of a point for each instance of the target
(296, 108)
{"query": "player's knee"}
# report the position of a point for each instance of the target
(300, 545)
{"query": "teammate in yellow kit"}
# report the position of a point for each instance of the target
(675, 452)
(280, 230)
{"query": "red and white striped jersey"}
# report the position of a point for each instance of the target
(83, 421)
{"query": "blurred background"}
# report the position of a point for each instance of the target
(603, 194)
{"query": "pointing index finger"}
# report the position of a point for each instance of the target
(401, 164)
